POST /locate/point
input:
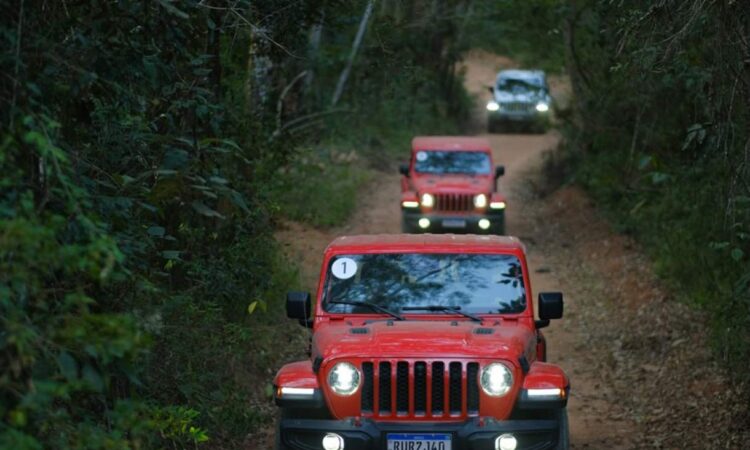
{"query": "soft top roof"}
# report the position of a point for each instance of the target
(457, 143)
(411, 242)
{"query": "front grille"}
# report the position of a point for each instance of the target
(454, 202)
(517, 106)
(420, 389)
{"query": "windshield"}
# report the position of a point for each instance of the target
(476, 283)
(441, 162)
(516, 86)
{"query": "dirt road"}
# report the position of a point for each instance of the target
(625, 348)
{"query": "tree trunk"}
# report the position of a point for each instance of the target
(355, 48)
(316, 33)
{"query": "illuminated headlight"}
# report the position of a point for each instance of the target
(496, 379)
(480, 201)
(506, 442)
(428, 200)
(497, 205)
(492, 106)
(542, 107)
(333, 441)
(410, 203)
(344, 378)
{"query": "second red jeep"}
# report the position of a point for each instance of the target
(450, 184)
(423, 343)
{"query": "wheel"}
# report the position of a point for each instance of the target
(563, 439)
(278, 445)
(493, 126)
(406, 228)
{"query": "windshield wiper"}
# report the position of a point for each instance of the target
(373, 306)
(455, 309)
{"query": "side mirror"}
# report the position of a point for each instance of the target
(550, 305)
(491, 89)
(298, 306)
(499, 171)
(403, 169)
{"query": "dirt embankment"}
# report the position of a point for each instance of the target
(641, 371)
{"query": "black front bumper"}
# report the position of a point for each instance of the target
(473, 434)
(438, 220)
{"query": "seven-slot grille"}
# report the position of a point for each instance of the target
(454, 202)
(517, 106)
(420, 389)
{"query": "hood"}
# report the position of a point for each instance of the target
(454, 183)
(520, 97)
(422, 339)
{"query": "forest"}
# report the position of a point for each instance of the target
(150, 150)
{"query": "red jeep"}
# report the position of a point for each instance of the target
(423, 343)
(450, 184)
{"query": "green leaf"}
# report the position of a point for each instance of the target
(91, 375)
(167, 4)
(252, 306)
(170, 254)
(156, 231)
(68, 366)
(737, 254)
(201, 208)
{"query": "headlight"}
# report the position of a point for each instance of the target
(480, 201)
(496, 379)
(428, 200)
(542, 107)
(492, 106)
(344, 378)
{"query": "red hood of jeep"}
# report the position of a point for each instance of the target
(434, 339)
(475, 184)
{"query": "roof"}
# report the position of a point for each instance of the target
(518, 74)
(416, 241)
(449, 143)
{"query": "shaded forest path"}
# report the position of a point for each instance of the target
(609, 343)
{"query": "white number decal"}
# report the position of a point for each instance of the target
(344, 268)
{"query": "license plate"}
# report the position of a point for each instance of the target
(428, 441)
(454, 223)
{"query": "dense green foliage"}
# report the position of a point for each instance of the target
(147, 149)
(528, 31)
(661, 137)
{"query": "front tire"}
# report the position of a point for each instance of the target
(278, 444)
(563, 439)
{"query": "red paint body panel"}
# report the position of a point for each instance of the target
(455, 143)
(450, 184)
(297, 375)
(423, 339)
(545, 376)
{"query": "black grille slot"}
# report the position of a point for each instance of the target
(402, 387)
(359, 330)
(454, 202)
(472, 388)
(455, 388)
(438, 388)
(384, 395)
(367, 384)
(402, 391)
(420, 388)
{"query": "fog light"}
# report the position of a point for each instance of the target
(492, 106)
(542, 107)
(506, 442)
(484, 224)
(424, 223)
(497, 205)
(333, 441)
